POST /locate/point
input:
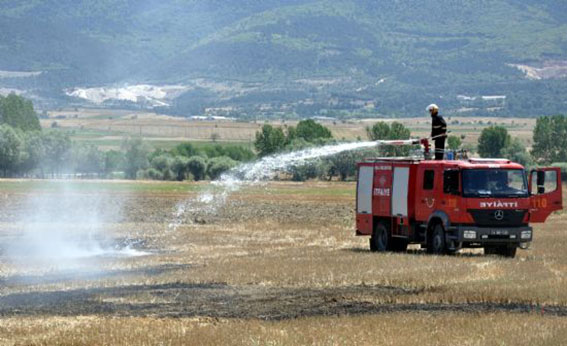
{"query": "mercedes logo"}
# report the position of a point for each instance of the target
(499, 215)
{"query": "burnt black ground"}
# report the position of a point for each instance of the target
(219, 300)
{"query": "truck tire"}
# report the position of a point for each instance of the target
(380, 240)
(399, 244)
(502, 250)
(453, 248)
(505, 251)
(436, 242)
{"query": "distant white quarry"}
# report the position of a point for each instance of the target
(552, 69)
(151, 95)
(160, 95)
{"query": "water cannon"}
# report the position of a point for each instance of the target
(398, 142)
(425, 143)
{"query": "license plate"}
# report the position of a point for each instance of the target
(499, 232)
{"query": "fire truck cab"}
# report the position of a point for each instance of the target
(449, 205)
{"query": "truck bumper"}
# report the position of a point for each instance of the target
(489, 235)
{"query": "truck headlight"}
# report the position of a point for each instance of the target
(469, 234)
(526, 234)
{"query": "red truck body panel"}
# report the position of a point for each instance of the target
(406, 194)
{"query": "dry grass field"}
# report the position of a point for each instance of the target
(277, 265)
(106, 128)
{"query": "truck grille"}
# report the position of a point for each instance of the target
(498, 217)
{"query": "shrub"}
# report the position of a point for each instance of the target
(219, 165)
(150, 173)
(306, 171)
(180, 167)
(197, 166)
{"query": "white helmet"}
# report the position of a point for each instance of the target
(432, 107)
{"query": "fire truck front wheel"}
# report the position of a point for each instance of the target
(502, 250)
(436, 241)
(380, 240)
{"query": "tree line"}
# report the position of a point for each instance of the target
(549, 146)
(51, 153)
(549, 143)
(28, 151)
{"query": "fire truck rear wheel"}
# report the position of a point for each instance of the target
(380, 240)
(436, 244)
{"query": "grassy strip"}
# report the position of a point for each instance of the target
(26, 186)
(285, 188)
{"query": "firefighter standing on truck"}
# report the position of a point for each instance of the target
(438, 131)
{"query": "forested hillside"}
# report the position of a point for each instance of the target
(303, 57)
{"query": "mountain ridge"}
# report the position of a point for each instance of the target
(427, 50)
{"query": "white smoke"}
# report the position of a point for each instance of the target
(65, 229)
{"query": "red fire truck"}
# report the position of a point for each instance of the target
(449, 205)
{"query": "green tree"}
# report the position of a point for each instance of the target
(306, 171)
(185, 149)
(550, 140)
(88, 159)
(383, 131)
(34, 151)
(114, 160)
(454, 142)
(310, 131)
(516, 151)
(492, 141)
(291, 134)
(235, 152)
(378, 131)
(57, 146)
(399, 131)
(179, 167)
(270, 140)
(10, 150)
(136, 156)
(18, 112)
(163, 163)
(344, 164)
(219, 165)
(197, 166)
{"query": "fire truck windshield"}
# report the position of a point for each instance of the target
(503, 183)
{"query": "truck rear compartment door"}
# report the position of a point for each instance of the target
(400, 192)
(546, 193)
(364, 190)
